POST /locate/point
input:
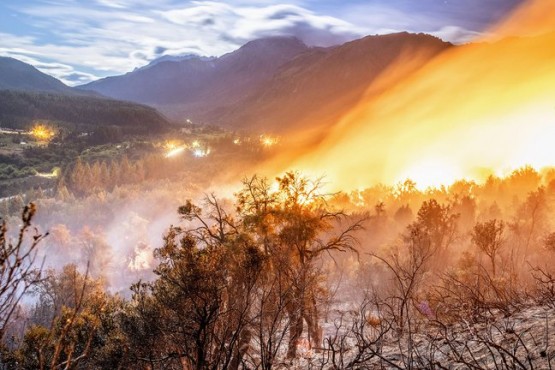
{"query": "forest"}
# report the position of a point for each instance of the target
(281, 274)
(18, 108)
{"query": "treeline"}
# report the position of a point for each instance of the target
(18, 108)
(9, 171)
(220, 288)
(280, 278)
(85, 178)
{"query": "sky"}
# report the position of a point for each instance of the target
(78, 41)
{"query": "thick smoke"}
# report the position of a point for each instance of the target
(475, 110)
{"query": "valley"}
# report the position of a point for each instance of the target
(242, 185)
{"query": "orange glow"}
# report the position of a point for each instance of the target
(50, 175)
(431, 173)
(175, 151)
(170, 145)
(42, 133)
(480, 109)
(201, 152)
(268, 140)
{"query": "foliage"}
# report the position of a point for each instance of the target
(262, 282)
(17, 270)
(225, 281)
(18, 108)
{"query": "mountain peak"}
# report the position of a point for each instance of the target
(9, 62)
(192, 79)
(175, 58)
(17, 75)
(274, 51)
(275, 42)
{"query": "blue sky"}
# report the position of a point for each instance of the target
(80, 40)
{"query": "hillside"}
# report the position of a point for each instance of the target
(271, 84)
(317, 88)
(16, 75)
(18, 109)
(197, 83)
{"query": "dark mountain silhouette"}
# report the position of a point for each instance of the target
(273, 84)
(26, 95)
(203, 82)
(20, 108)
(318, 87)
(16, 75)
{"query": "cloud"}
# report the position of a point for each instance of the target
(456, 34)
(237, 25)
(104, 37)
(64, 72)
(112, 4)
(116, 36)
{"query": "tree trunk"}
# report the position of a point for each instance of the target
(295, 331)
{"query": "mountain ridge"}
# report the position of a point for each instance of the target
(191, 80)
(27, 95)
(19, 109)
(324, 84)
(18, 75)
(272, 83)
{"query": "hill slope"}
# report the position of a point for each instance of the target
(317, 88)
(19, 108)
(197, 83)
(273, 84)
(16, 75)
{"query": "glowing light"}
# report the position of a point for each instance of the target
(431, 173)
(141, 259)
(472, 110)
(237, 141)
(50, 175)
(201, 152)
(170, 145)
(195, 144)
(42, 133)
(175, 151)
(268, 140)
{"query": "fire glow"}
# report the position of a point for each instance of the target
(170, 145)
(42, 133)
(175, 151)
(201, 152)
(50, 175)
(475, 110)
(268, 141)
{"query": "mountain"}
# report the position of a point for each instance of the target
(318, 87)
(176, 58)
(26, 95)
(273, 84)
(19, 108)
(198, 83)
(16, 75)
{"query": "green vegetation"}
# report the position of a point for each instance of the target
(9, 171)
(22, 157)
(82, 126)
(18, 109)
